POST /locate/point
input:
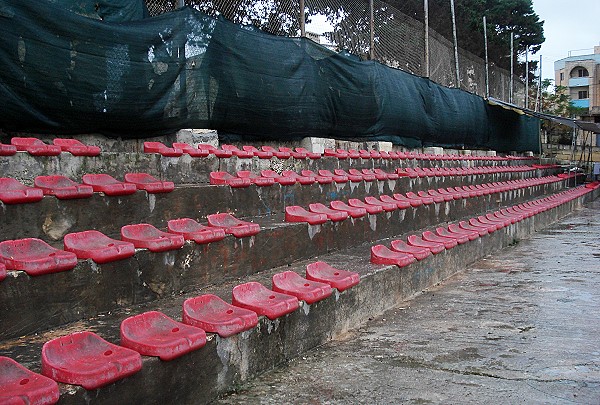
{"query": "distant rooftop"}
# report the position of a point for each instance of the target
(560, 64)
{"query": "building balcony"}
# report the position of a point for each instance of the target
(579, 81)
(582, 103)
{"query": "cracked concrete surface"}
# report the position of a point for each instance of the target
(522, 326)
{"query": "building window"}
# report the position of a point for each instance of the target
(583, 94)
(562, 76)
(579, 71)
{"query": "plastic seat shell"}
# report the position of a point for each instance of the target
(14, 192)
(108, 185)
(146, 236)
(256, 297)
(193, 230)
(435, 247)
(84, 358)
(309, 291)
(62, 187)
(35, 257)
(20, 385)
(97, 246)
(354, 212)
(76, 147)
(232, 225)
(334, 215)
(214, 315)
(381, 254)
(419, 253)
(148, 183)
(295, 213)
(155, 334)
(324, 273)
(224, 178)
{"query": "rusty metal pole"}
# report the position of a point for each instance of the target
(512, 68)
(455, 44)
(372, 29)
(487, 68)
(302, 20)
(426, 9)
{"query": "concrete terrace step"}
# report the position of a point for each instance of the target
(51, 218)
(201, 375)
(90, 288)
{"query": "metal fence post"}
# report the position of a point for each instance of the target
(426, 9)
(455, 43)
(512, 68)
(180, 3)
(527, 77)
(372, 29)
(302, 19)
(487, 69)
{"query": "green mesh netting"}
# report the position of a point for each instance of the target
(65, 73)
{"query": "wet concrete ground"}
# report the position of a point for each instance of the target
(522, 326)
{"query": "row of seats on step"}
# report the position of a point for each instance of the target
(86, 359)
(13, 191)
(319, 213)
(36, 257)
(269, 152)
(245, 178)
(37, 147)
(417, 247)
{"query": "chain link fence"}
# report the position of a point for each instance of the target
(345, 25)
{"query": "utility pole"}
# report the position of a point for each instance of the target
(426, 8)
(455, 43)
(487, 68)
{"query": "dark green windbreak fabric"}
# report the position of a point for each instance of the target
(64, 73)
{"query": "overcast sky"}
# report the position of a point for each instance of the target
(568, 26)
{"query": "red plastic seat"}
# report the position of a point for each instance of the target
(97, 246)
(364, 154)
(448, 243)
(340, 153)
(419, 253)
(309, 291)
(415, 240)
(382, 174)
(7, 150)
(304, 180)
(296, 213)
(466, 226)
(354, 212)
(309, 154)
(487, 221)
(224, 178)
(214, 315)
(277, 153)
(62, 187)
(460, 237)
(375, 154)
(283, 180)
(148, 183)
(381, 254)
(14, 192)
(159, 147)
(84, 358)
(261, 154)
(334, 177)
(2, 271)
(353, 154)
(424, 199)
(256, 297)
(35, 257)
(474, 222)
(76, 148)
(414, 202)
(233, 226)
(242, 154)
(436, 198)
(371, 209)
(293, 153)
(220, 153)
(355, 178)
(190, 150)
(192, 230)
(108, 185)
(255, 179)
(387, 206)
(334, 215)
(19, 385)
(324, 273)
(400, 204)
(455, 228)
(35, 147)
(365, 177)
(146, 236)
(371, 174)
(320, 179)
(155, 334)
